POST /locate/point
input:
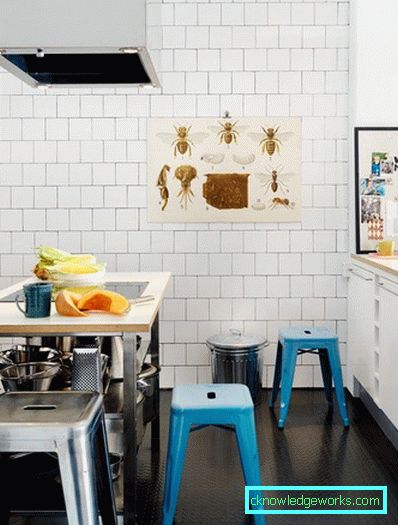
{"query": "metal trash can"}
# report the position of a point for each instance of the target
(238, 358)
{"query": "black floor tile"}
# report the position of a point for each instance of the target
(314, 449)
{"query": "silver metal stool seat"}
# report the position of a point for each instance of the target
(71, 424)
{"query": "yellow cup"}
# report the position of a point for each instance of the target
(386, 248)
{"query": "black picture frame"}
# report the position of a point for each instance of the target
(357, 138)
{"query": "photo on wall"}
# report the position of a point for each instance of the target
(224, 169)
(373, 186)
(376, 183)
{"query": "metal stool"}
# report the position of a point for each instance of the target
(295, 341)
(70, 424)
(196, 406)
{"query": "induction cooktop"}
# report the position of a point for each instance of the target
(128, 289)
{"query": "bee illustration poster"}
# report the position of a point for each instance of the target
(224, 169)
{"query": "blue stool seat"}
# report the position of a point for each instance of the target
(196, 406)
(294, 341)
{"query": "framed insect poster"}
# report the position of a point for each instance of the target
(376, 186)
(224, 169)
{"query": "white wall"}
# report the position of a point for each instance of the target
(374, 63)
(373, 84)
(73, 174)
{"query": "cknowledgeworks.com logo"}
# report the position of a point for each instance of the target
(327, 499)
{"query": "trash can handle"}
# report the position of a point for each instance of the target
(235, 331)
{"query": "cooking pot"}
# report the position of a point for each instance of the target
(114, 427)
(148, 383)
(28, 354)
(27, 377)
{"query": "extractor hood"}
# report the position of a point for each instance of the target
(71, 43)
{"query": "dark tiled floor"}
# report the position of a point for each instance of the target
(313, 449)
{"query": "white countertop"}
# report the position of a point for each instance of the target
(386, 264)
(139, 319)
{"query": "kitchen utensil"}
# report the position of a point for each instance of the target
(37, 300)
(87, 370)
(29, 354)
(143, 299)
(5, 361)
(148, 383)
(29, 376)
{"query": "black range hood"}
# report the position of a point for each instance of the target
(85, 68)
(79, 43)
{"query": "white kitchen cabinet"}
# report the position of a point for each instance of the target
(388, 344)
(372, 349)
(361, 329)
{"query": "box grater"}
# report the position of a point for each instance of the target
(87, 369)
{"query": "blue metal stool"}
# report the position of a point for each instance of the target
(199, 406)
(295, 341)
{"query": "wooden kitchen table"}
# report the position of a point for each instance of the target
(140, 319)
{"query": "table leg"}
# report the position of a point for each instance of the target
(5, 488)
(129, 428)
(106, 501)
(155, 425)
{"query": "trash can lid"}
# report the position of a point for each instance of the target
(235, 340)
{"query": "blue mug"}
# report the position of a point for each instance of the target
(37, 300)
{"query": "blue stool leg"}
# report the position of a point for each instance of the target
(277, 376)
(247, 443)
(289, 357)
(334, 360)
(178, 442)
(326, 375)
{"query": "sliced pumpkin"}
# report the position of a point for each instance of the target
(66, 304)
(104, 301)
(74, 296)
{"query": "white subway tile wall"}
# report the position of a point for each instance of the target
(73, 174)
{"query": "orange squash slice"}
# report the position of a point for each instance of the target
(104, 301)
(66, 304)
